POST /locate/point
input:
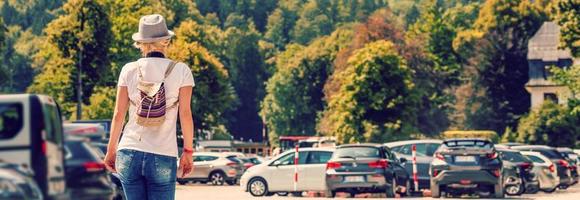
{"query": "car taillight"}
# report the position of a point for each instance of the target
(496, 172)
(232, 164)
(527, 166)
(563, 163)
(333, 165)
(248, 165)
(439, 156)
(435, 173)
(94, 166)
(379, 164)
(552, 168)
(43, 147)
(492, 155)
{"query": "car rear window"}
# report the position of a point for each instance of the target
(371, 152)
(234, 159)
(535, 159)
(468, 143)
(11, 120)
(80, 151)
(551, 154)
(513, 156)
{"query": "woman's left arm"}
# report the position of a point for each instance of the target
(186, 120)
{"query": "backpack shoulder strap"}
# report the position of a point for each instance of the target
(170, 68)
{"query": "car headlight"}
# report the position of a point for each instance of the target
(9, 190)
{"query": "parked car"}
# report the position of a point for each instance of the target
(34, 140)
(277, 175)
(466, 166)
(94, 132)
(562, 166)
(17, 184)
(105, 123)
(358, 168)
(216, 168)
(87, 177)
(102, 148)
(572, 159)
(523, 167)
(424, 151)
(545, 170)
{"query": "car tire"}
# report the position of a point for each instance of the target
(217, 178)
(282, 194)
(296, 194)
(435, 190)
(258, 187)
(182, 182)
(549, 190)
(498, 191)
(330, 194)
(232, 182)
(392, 189)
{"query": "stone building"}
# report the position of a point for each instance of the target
(543, 52)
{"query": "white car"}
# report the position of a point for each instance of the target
(545, 170)
(277, 175)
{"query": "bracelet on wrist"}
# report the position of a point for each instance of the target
(188, 151)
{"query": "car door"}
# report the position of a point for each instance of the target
(397, 166)
(281, 172)
(315, 170)
(201, 166)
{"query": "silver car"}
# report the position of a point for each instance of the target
(216, 168)
(545, 170)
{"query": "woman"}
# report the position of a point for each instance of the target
(146, 156)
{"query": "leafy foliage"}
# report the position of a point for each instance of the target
(213, 94)
(567, 15)
(551, 124)
(85, 27)
(375, 100)
(295, 95)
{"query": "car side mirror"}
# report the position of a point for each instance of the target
(403, 160)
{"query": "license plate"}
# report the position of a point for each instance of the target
(354, 179)
(464, 159)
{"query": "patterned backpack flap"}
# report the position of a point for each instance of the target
(152, 107)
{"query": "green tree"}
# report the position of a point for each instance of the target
(497, 48)
(567, 15)
(295, 95)
(59, 56)
(375, 100)
(3, 73)
(213, 94)
(314, 21)
(551, 124)
(248, 74)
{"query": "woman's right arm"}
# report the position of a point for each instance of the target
(121, 107)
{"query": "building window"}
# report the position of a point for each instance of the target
(551, 97)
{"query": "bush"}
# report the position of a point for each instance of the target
(551, 124)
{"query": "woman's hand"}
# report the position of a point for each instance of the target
(185, 164)
(110, 160)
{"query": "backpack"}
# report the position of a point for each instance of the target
(152, 107)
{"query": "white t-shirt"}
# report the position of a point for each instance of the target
(160, 140)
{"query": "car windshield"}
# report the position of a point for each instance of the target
(355, 152)
(513, 156)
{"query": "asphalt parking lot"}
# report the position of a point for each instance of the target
(199, 191)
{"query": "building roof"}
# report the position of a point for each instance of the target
(544, 44)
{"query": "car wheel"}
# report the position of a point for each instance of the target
(330, 194)
(498, 191)
(390, 192)
(435, 190)
(232, 182)
(296, 194)
(182, 182)
(549, 190)
(282, 194)
(258, 187)
(217, 178)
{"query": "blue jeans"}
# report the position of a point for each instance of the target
(146, 176)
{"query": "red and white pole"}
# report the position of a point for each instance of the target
(296, 169)
(415, 178)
